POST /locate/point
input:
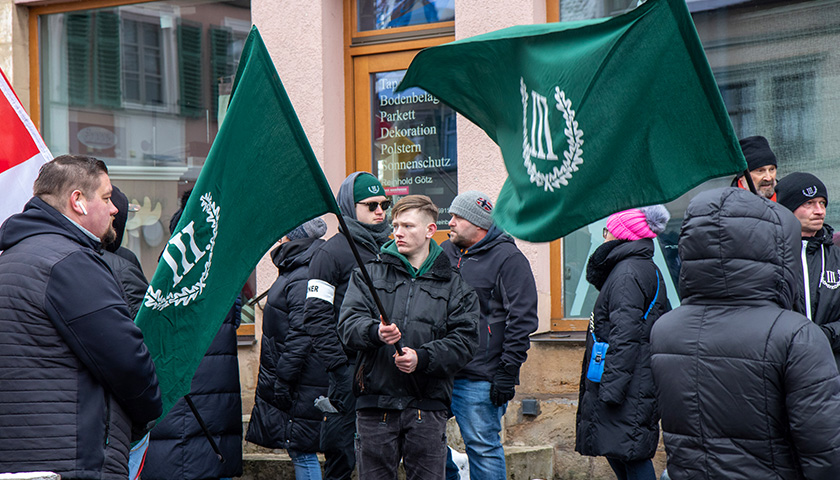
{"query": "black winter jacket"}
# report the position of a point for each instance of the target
(823, 260)
(178, 447)
(748, 389)
(618, 417)
(132, 281)
(437, 315)
(75, 372)
(286, 359)
(507, 294)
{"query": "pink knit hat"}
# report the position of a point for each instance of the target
(629, 225)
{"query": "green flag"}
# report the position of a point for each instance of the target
(591, 117)
(260, 181)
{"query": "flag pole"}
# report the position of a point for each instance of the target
(366, 276)
(749, 181)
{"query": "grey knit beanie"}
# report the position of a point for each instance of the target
(475, 207)
(315, 228)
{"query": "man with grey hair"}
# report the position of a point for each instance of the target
(77, 384)
(490, 262)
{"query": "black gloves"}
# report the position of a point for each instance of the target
(341, 388)
(282, 395)
(503, 386)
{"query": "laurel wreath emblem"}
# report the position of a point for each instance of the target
(156, 300)
(572, 157)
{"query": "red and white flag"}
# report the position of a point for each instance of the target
(22, 152)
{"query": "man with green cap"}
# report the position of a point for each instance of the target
(363, 204)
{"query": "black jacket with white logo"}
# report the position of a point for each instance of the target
(823, 259)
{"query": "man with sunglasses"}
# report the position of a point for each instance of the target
(363, 204)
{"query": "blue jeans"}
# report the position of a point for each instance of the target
(480, 422)
(307, 466)
(637, 470)
(416, 436)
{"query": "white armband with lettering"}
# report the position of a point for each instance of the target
(320, 289)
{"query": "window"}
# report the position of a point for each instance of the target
(142, 60)
(384, 14)
(137, 87)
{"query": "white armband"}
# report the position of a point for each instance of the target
(320, 289)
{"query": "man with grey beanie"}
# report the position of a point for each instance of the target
(490, 262)
(819, 296)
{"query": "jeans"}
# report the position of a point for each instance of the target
(480, 422)
(383, 437)
(636, 470)
(306, 465)
(337, 434)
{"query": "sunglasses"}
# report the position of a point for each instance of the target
(605, 232)
(372, 206)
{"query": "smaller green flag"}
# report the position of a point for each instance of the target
(260, 181)
(592, 117)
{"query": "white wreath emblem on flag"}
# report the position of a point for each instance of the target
(155, 298)
(537, 142)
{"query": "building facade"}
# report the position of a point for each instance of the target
(143, 86)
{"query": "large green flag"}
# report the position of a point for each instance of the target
(592, 117)
(260, 181)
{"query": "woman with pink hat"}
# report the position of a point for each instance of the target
(617, 415)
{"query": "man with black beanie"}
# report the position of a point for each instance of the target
(819, 297)
(761, 161)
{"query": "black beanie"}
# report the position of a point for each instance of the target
(797, 188)
(757, 152)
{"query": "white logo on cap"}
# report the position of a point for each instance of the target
(810, 191)
(373, 189)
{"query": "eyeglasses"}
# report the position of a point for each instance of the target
(372, 206)
(605, 232)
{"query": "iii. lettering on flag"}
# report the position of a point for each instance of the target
(537, 143)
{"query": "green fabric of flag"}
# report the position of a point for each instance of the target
(592, 117)
(260, 181)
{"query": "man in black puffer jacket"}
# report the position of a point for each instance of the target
(76, 379)
(747, 388)
(819, 293)
(403, 400)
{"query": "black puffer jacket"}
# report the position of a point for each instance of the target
(748, 389)
(618, 417)
(823, 259)
(501, 277)
(178, 447)
(437, 314)
(75, 372)
(286, 359)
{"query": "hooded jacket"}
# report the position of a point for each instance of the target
(286, 358)
(618, 417)
(76, 374)
(822, 258)
(330, 268)
(507, 294)
(437, 314)
(747, 388)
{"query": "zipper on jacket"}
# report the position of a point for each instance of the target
(408, 298)
(107, 419)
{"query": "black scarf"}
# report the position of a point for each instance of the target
(371, 236)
